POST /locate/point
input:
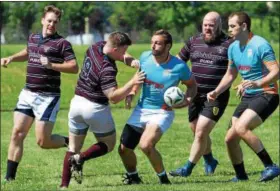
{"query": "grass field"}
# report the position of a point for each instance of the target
(41, 169)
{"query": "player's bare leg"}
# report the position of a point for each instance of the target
(45, 138)
(22, 124)
(148, 141)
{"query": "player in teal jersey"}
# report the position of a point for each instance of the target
(253, 57)
(152, 117)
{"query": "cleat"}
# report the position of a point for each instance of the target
(180, 172)
(236, 179)
(210, 167)
(164, 180)
(76, 168)
(131, 179)
(270, 173)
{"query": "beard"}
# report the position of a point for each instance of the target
(209, 40)
(157, 53)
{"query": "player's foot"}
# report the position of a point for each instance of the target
(270, 173)
(236, 179)
(5, 180)
(76, 168)
(164, 179)
(210, 167)
(183, 171)
(131, 179)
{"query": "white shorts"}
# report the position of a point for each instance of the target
(140, 117)
(85, 114)
(43, 107)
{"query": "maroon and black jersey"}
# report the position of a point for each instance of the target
(40, 79)
(98, 74)
(209, 61)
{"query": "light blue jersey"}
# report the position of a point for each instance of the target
(251, 61)
(159, 77)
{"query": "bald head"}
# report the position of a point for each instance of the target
(211, 26)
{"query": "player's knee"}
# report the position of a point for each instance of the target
(43, 143)
(123, 150)
(200, 135)
(18, 135)
(111, 146)
(231, 139)
(146, 147)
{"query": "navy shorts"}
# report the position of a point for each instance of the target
(263, 104)
(212, 110)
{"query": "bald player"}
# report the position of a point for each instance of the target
(207, 52)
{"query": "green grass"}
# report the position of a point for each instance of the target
(41, 169)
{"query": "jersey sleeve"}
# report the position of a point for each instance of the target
(108, 78)
(185, 51)
(230, 56)
(185, 72)
(67, 51)
(266, 53)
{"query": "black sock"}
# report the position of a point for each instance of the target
(265, 158)
(66, 139)
(240, 171)
(11, 170)
(208, 157)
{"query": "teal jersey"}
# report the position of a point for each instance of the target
(159, 77)
(251, 60)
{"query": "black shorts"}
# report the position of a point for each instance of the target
(263, 104)
(212, 110)
(130, 137)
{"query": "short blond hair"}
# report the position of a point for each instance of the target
(53, 9)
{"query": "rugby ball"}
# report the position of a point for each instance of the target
(173, 96)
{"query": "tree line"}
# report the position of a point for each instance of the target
(19, 19)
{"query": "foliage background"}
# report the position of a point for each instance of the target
(182, 19)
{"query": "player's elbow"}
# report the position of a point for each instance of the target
(73, 67)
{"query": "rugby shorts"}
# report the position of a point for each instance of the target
(37, 105)
(212, 110)
(263, 104)
(86, 115)
(140, 117)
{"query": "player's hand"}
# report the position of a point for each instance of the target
(138, 78)
(45, 62)
(249, 84)
(128, 101)
(240, 90)
(135, 63)
(185, 103)
(5, 61)
(212, 96)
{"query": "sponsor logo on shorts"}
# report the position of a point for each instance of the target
(215, 111)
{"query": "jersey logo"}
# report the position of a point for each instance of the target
(86, 67)
(249, 52)
(46, 49)
(220, 49)
(215, 111)
(167, 72)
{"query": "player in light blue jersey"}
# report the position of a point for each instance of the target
(253, 57)
(152, 117)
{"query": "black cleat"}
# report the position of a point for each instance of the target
(164, 179)
(131, 179)
(76, 168)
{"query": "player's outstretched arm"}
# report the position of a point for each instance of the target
(130, 61)
(18, 57)
(115, 94)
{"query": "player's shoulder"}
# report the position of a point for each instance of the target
(259, 41)
(146, 54)
(196, 38)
